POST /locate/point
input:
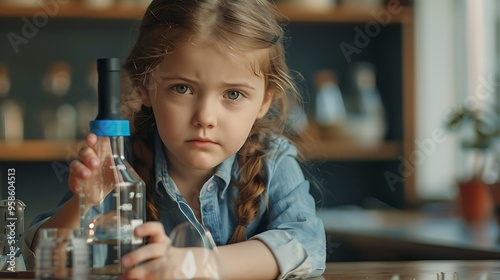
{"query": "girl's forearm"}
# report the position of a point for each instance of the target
(249, 260)
(68, 216)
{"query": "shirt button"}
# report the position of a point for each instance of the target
(209, 208)
(210, 187)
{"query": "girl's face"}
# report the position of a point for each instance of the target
(205, 104)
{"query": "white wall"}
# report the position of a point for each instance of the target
(454, 66)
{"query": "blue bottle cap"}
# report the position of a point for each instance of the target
(110, 127)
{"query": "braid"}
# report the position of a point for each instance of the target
(143, 155)
(252, 185)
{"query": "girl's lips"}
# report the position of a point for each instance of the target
(201, 143)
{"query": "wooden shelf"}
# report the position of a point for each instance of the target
(313, 150)
(38, 150)
(343, 146)
(299, 13)
(349, 151)
(74, 10)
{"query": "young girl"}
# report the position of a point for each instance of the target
(209, 141)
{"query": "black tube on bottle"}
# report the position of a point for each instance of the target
(109, 121)
(108, 70)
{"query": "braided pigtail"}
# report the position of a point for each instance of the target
(143, 155)
(252, 185)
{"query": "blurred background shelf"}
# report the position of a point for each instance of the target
(293, 12)
(74, 10)
(42, 150)
(299, 13)
(349, 151)
(75, 34)
(38, 150)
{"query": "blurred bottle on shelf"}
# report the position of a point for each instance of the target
(133, 3)
(313, 4)
(363, 4)
(58, 116)
(366, 116)
(25, 3)
(107, 4)
(57, 80)
(330, 112)
(4, 80)
(11, 111)
(99, 4)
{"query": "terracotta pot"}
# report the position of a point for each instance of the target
(475, 200)
(495, 195)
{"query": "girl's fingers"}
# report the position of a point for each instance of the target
(157, 247)
(89, 157)
(91, 139)
(154, 230)
(145, 254)
(77, 173)
(150, 270)
(80, 169)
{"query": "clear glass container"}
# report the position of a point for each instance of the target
(112, 201)
(117, 193)
(61, 254)
(11, 226)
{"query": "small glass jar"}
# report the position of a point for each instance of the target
(61, 254)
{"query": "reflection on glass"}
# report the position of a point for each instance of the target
(192, 255)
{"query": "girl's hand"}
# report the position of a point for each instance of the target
(159, 260)
(80, 169)
(152, 255)
(88, 169)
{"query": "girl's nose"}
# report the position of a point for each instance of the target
(205, 114)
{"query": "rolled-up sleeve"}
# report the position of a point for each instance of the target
(27, 237)
(295, 234)
(26, 242)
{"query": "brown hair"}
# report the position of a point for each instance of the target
(232, 25)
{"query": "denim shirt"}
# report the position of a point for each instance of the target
(287, 224)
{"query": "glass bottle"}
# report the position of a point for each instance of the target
(61, 254)
(58, 116)
(330, 113)
(367, 121)
(12, 225)
(11, 110)
(112, 201)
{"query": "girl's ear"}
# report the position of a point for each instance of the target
(143, 94)
(268, 98)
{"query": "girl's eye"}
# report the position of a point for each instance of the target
(183, 89)
(233, 95)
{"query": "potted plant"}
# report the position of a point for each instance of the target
(478, 130)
